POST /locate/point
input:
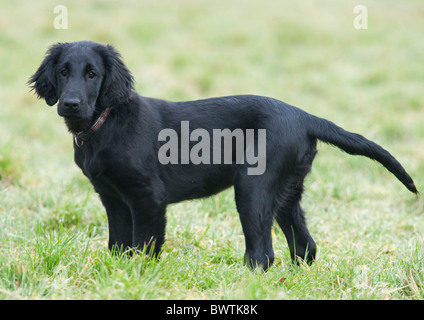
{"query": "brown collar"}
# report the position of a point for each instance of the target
(82, 136)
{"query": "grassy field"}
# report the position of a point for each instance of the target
(368, 227)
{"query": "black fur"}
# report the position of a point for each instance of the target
(121, 159)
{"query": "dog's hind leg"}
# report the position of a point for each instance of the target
(292, 221)
(255, 209)
(290, 215)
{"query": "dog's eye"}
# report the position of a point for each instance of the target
(64, 72)
(91, 74)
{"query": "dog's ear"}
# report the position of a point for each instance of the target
(43, 81)
(118, 81)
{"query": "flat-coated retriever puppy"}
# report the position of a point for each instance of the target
(142, 154)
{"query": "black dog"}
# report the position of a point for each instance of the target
(142, 154)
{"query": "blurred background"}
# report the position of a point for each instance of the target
(307, 53)
(361, 67)
(357, 64)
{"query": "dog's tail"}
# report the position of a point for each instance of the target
(356, 144)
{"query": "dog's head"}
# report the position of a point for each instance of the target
(85, 77)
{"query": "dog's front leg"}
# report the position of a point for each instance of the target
(136, 205)
(146, 199)
(148, 220)
(120, 223)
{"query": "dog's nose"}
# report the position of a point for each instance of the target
(72, 103)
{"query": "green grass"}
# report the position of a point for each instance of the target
(369, 229)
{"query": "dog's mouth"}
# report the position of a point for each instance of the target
(73, 118)
(75, 123)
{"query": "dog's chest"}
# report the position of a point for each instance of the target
(90, 163)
